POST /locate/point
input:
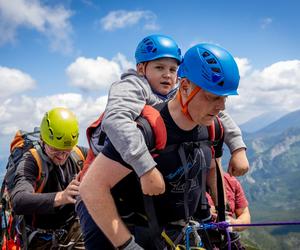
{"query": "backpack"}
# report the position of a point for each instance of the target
(154, 130)
(13, 226)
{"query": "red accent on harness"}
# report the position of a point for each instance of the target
(90, 156)
(88, 161)
(157, 124)
(212, 133)
(91, 128)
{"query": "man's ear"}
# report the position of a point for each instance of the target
(184, 84)
(140, 68)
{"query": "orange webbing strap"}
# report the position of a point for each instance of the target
(78, 152)
(39, 162)
(184, 107)
(17, 142)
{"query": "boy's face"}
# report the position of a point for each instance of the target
(161, 74)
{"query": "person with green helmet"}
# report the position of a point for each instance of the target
(50, 212)
(59, 132)
(209, 74)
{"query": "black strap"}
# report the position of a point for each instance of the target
(146, 129)
(220, 196)
(154, 228)
(187, 182)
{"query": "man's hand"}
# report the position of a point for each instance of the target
(153, 182)
(238, 164)
(68, 195)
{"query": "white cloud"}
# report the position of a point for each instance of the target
(243, 65)
(13, 81)
(123, 62)
(266, 22)
(272, 89)
(53, 22)
(120, 19)
(96, 74)
(25, 113)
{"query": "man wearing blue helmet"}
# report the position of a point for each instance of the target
(154, 80)
(208, 75)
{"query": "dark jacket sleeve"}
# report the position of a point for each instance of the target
(23, 196)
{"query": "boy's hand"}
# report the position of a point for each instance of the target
(153, 182)
(238, 164)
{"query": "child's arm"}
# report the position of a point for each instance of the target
(239, 164)
(126, 101)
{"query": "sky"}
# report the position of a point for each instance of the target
(68, 52)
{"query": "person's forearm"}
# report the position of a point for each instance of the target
(243, 218)
(95, 192)
(29, 203)
(106, 217)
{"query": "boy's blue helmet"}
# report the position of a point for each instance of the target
(157, 46)
(211, 68)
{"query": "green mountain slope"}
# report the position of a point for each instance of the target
(273, 185)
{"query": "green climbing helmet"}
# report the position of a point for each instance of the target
(60, 129)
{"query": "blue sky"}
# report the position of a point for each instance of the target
(58, 52)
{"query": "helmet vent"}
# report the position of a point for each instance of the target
(205, 54)
(221, 84)
(149, 46)
(51, 133)
(211, 61)
(216, 70)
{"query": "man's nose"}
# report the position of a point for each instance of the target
(221, 103)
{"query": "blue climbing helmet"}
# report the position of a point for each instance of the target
(157, 46)
(212, 68)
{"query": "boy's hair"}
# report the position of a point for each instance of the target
(157, 46)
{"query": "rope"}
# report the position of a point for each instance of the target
(223, 225)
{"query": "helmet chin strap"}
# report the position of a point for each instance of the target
(184, 107)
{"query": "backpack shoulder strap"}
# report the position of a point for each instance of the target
(219, 130)
(79, 153)
(78, 157)
(216, 133)
(43, 170)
